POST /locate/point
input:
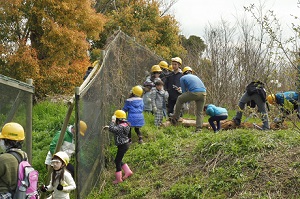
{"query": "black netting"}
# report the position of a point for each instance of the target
(124, 66)
(14, 101)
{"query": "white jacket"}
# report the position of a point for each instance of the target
(68, 183)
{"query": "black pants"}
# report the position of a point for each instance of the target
(120, 154)
(138, 132)
(171, 104)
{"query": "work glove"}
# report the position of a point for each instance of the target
(113, 118)
(43, 188)
(105, 127)
(277, 120)
(185, 107)
(149, 99)
(60, 187)
(154, 109)
(179, 90)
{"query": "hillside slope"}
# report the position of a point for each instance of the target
(176, 163)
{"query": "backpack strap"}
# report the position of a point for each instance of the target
(18, 155)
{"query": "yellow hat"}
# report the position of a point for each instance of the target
(12, 131)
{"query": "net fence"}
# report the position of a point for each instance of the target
(16, 105)
(123, 66)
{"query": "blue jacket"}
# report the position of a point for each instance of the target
(291, 96)
(135, 106)
(213, 110)
(191, 83)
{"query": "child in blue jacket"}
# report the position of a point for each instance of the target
(134, 105)
(216, 115)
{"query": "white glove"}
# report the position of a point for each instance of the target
(113, 118)
(105, 127)
(154, 109)
(185, 107)
(179, 90)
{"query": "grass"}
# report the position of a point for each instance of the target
(176, 163)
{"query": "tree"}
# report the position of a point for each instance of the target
(51, 37)
(142, 20)
(195, 47)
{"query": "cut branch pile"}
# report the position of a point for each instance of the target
(226, 124)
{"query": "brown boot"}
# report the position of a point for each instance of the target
(173, 121)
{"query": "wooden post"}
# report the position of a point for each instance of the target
(77, 116)
(298, 84)
(59, 142)
(28, 130)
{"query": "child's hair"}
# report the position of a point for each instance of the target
(159, 83)
(148, 84)
(62, 173)
(205, 107)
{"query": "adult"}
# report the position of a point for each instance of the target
(172, 84)
(11, 139)
(287, 101)
(68, 145)
(255, 95)
(193, 89)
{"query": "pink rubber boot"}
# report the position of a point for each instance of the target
(127, 171)
(118, 177)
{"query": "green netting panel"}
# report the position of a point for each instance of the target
(123, 67)
(14, 101)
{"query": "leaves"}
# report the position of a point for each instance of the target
(142, 20)
(47, 41)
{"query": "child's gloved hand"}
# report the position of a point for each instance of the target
(60, 187)
(105, 127)
(43, 188)
(113, 118)
(179, 90)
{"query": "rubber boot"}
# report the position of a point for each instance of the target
(127, 171)
(118, 177)
(141, 140)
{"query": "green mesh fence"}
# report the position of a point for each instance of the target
(123, 67)
(16, 105)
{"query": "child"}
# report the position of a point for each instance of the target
(120, 128)
(148, 85)
(134, 105)
(217, 114)
(62, 181)
(155, 74)
(159, 97)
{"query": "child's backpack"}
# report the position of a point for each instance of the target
(253, 87)
(27, 187)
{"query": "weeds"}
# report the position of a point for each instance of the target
(176, 163)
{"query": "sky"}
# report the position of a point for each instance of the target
(194, 15)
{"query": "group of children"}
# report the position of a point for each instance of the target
(151, 98)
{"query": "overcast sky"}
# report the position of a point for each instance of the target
(194, 15)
